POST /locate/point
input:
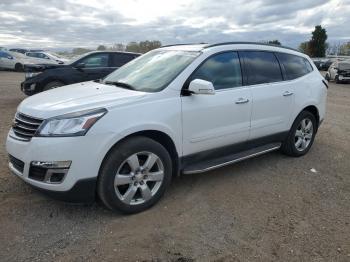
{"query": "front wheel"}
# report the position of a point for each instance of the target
(301, 136)
(337, 81)
(134, 175)
(19, 67)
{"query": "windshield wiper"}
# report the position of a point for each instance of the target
(120, 84)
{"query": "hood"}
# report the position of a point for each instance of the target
(30, 67)
(77, 97)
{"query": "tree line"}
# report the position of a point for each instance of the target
(317, 46)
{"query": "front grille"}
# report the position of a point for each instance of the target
(24, 127)
(16, 163)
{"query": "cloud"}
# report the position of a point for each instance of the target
(52, 24)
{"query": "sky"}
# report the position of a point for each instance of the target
(89, 23)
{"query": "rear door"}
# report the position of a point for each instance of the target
(120, 59)
(273, 99)
(222, 119)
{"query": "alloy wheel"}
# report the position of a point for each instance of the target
(139, 178)
(303, 134)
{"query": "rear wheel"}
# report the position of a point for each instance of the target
(18, 67)
(135, 175)
(52, 85)
(301, 136)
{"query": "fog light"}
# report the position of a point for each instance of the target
(51, 172)
(52, 164)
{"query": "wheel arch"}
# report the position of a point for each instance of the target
(49, 80)
(313, 110)
(156, 135)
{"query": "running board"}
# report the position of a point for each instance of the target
(229, 159)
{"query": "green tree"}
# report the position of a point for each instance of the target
(304, 47)
(274, 42)
(143, 46)
(317, 44)
(101, 48)
(80, 51)
(344, 49)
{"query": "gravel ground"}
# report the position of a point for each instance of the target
(271, 208)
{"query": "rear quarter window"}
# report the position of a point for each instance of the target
(294, 66)
(121, 59)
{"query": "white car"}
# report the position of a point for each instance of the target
(339, 71)
(178, 109)
(14, 60)
(47, 57)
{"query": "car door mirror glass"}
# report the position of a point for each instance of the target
(80, 65)
(201, 87)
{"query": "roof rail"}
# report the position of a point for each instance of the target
(251, 43)
(184, 44)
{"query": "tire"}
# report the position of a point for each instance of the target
(295, 147)
(124, 165)
(19, 67)
(337, 81)
(52, 85)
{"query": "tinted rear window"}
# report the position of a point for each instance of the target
(262, 66)
(295, 66)
(121, 59)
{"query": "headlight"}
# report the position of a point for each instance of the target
(74, 124)
(32, 74)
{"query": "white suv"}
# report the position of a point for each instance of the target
(178, 109)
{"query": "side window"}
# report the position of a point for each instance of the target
(263, 67)
(295, 66)
(308, 65)
(95, 60)
(120, 59)
(223, 70)
(42, 55)
(30, 54)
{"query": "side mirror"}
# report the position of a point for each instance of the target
(201, 87)
(80, 65)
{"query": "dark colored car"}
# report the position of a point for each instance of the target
(90, 66)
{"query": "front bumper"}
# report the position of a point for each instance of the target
(343, 78)
(29, 87)
(83, 191)
(86, 154)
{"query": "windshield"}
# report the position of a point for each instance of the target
(153, 71)
(54, 55)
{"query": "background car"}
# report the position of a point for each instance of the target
(48, 57)
(14, 61)
(90, 66)
(23, 51)
(339, 71)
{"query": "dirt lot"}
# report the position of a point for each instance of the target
(271, 208)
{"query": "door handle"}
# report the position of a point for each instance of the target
(287, 93)
(242, 100)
